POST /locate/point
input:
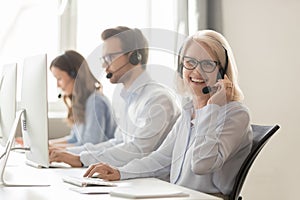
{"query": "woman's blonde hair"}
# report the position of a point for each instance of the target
(219, 46)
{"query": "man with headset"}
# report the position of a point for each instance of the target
(145, 112)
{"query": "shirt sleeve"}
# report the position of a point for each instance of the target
(71, 138)
(151, 121)
(156, 164)
(219, 134)
(99, 123)
(85, 151)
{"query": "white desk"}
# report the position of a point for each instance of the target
(19, 173)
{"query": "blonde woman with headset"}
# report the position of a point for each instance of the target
(208, 144)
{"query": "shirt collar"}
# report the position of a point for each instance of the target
(137, 84)
(187, 103)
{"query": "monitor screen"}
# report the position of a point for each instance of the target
(34, 101)
(8, 87)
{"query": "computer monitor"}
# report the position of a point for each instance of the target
(8, 87)
(34, 121)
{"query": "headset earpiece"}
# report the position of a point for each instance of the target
(179, 63)
(222, 71)
(135, 58)
(73, 74)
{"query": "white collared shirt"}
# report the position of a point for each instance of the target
(145, 115)
(204, 156)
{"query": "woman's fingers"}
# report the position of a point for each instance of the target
(223, 93)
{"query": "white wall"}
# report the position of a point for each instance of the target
(265, 37)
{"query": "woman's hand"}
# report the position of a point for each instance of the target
(20, 141)
(224, 92)
(103, 171)
(57, 155)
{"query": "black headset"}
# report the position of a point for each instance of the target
(222, 71)
(136, 57)
(179, 63)
(73, 72)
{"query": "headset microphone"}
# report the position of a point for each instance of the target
(60, 93)
(209, 89)
(110, 74)
(206, 90)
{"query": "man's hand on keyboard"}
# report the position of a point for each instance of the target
(104, 171)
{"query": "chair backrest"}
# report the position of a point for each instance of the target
(261, 135)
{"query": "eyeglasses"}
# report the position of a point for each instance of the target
(207, 66)
(108, 59)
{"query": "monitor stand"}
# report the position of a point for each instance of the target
(5, 155)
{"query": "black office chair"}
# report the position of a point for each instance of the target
(261, 135)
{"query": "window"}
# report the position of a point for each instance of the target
(27, 28)
(94, 16)
(34, 27)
